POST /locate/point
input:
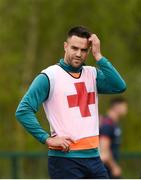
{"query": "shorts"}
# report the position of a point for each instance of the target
(76, 168)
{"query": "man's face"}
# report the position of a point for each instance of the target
(121, 109)
(76, 51)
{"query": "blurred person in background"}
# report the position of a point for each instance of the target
(69, 94)
(110, 136)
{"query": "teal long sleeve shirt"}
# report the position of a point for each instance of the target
(108, 81)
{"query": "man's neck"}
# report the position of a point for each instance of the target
(68, 67)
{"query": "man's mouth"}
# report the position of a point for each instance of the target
(77, 59)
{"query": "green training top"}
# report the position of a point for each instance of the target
(108, 81)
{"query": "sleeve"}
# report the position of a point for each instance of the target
(37, 93)
(109, 81)
(106, 130)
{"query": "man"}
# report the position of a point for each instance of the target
(69, 93)
(110, 133)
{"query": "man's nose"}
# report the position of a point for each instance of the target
(78, 54)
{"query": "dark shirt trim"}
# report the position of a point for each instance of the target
(72, 72)
(48, 84)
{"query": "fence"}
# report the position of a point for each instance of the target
(34, 165)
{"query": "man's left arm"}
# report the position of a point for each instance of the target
(108, 80)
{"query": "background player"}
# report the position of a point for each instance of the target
(110, 135)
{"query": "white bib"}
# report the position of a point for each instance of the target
(72, 105)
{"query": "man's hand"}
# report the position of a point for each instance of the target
(116, 170)
(95, 45)
(61, 142)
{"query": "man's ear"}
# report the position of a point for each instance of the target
(65, 45)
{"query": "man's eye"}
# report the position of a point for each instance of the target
(74, 48)
(84, 50)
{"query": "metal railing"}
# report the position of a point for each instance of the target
(15, 157)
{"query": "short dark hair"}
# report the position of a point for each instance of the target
(79, 31)
(117, 100)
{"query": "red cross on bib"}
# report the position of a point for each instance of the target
(82, 99)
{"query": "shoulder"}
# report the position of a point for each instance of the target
(41, 81)
(106, 127)
(105, 120)
(91, 69)
(50, 71)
